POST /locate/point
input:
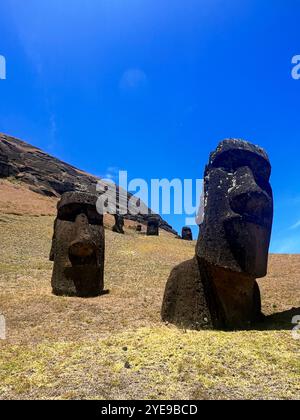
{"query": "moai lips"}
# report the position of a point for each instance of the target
(78, 247)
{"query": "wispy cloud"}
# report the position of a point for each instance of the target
(111, 173)
(133, 79)
(295, 226)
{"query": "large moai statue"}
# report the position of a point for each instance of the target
(78, 247)
(187, 234)
(153, 226)
(119, 224)
(218, 288)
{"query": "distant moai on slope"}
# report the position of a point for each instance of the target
(218, 288)
(78, 247)
(153, 226)
(139, 228)
(187, 234)
(119, 224)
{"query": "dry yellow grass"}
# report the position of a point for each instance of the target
(68, 348)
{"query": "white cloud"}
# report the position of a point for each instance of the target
(133, 79)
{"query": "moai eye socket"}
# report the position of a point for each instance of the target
(69, 213)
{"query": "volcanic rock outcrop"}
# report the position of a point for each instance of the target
(78, 247)
(232, 248)
(50, 176)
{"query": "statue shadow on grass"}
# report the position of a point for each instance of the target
(278, 321)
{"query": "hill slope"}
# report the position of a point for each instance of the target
(116, 346)
(49, 176)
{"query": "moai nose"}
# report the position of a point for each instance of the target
(253, 203)
(249, 199)
(82, 249)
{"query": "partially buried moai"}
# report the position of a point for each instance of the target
(153, 226)
(218, 288)
(187, 234)
(78, 247)
(119, 224)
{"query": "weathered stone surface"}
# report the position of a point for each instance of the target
(78, 247)
(184, 302)
(232, 249)
(119, 224)
(187, 234)
(238, 208)
(52, 177)
(153, 226)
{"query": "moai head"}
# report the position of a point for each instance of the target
(187, 234)
(78, 247)
(153, 226)
(119, 224)
(238, 209)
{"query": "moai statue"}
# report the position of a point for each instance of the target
(119, 224)
(218, 288)
(153, 226)
(187, 234)
(78, 247)
(139, 228)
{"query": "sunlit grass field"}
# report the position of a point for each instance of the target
(115, 346)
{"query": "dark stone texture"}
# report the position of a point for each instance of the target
(78, 247)
(153, 226)
(238, 209)
(139, 228)
(187, 234)
(233, 244)
(119, 224)
(184, 302)
(49, 176)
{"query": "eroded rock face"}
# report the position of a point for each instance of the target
(153, 226)
(232, 248)
(51, 177)
(78, 247)
(119, 224)
(184, 301)
(187, 234)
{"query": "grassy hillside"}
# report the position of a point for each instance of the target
(115, 346)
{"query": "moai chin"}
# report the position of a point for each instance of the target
(119, 224)
(153, 226)
(187, 234)
(233, 244)
(78, 247)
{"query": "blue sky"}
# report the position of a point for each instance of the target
(151, 87)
